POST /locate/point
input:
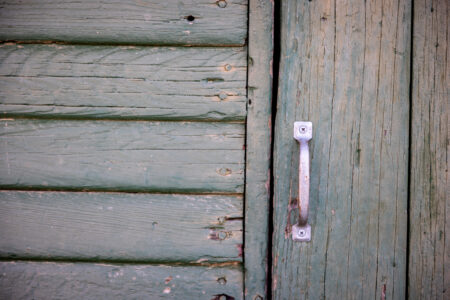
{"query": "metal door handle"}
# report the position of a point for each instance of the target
(303, 134)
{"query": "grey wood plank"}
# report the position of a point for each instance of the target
(45, 280)
(122, 156)
(429, 243)
(145, 22)
(153, 83)
(345, 67)
(258, 147)
(120, 226)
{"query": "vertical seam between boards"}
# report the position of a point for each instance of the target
(409, 167)
(275, 66)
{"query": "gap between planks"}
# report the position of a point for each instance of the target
(113, 191)
(37, 42)
(230, 263)
(12, 117)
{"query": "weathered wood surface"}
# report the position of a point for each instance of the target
(122, 156)
(345, 67)
(429, 244)
(157, 83)
(258, 147)
(157, 22)
(120, 226)
(44, 280)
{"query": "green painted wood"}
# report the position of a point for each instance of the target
(345, 67)
(258, 147)
(41, 280)
(429, 243)
(120, 226)
(122, 156)
(154, 22)
(153, 83)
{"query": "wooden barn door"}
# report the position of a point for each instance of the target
(378, 152)
(123, 149)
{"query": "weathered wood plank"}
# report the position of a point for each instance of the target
(258, 147)
(345, 67)
(43, 280)
(429, 244)
(145, 22)
(120, 226)
(122, 156)
(157, 83)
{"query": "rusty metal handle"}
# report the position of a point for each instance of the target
(303, 134)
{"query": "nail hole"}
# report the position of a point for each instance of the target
(190, 18)
(249, 101)
(222, 280)
(224, 171)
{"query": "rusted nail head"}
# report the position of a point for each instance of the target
(223, 96)
(222, 235)
(222, 3)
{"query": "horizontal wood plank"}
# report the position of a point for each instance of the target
(35, 280)
(122, 156)
(193, 22)
(120, 226)
(153, 83)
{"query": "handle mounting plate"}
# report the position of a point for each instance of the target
(301, 233)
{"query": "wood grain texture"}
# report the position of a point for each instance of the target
(258, 147)
(122, 156)
(429, 244)
(120, 227)
(39, 281)
(152, 83)
(154, 22)
(345, 67)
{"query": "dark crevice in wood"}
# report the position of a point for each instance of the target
(409, 167)
(124, 44)
(276, 68)
(112, 190)
(233, 218)
(94, 260)
(249, 102)
(10, 116)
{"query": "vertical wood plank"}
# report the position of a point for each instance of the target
(258, 147)
(345, 67)
(429, 260)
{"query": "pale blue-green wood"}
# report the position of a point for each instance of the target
(120, 227)
(344, 67)
(47, 280)
(258, 147)
(152, 83)
(122, 155)
(155, 22)
(429, 243)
